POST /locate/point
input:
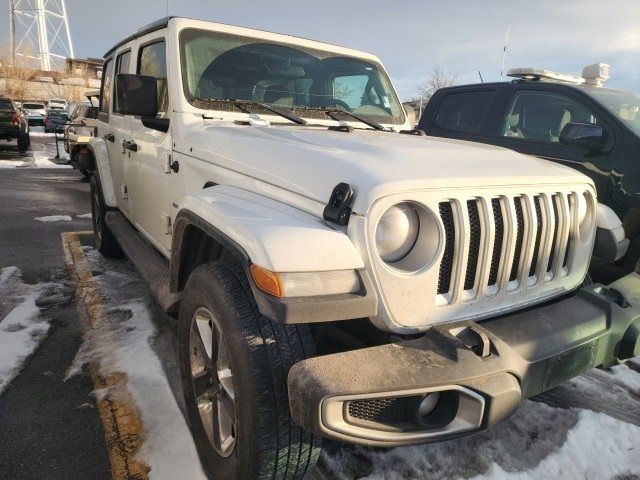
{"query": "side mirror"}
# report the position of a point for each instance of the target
(586, 135)
(411, 114)
(136, 95)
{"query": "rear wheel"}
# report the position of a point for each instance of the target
(104, 240)
(234, 364)
(23, 141)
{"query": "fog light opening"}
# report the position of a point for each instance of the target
(437, 409)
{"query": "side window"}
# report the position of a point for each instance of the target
(107, 80)
(464, 111)
(123, 61)
(541, 116)
(152, 60)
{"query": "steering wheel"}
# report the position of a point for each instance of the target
(334, 102)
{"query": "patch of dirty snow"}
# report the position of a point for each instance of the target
(54, 218)
(34, 162)
(124, 343)
(598, 447)
(21, 327)
(84, 215)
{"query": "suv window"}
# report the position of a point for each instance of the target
(464, 111)
(541, 116)
(152, 61)
(123, 61)
(105, 94)
(6, 105)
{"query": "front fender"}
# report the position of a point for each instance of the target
(98, 148)
(273, 235)
(279, 238)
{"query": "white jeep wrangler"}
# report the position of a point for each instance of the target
(334, 273)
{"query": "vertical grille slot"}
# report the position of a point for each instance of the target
(474, 244)
(554, 242)
(497, 244)
(446, 266)
(573, 206)
(517, 202)
(537, 200)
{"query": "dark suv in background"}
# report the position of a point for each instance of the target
(557, 117)
(14, 123)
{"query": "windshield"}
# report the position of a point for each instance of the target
(219, 66)
(624, 105)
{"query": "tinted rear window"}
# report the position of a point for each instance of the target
(464, 111)
(6, 105)
(33, 106)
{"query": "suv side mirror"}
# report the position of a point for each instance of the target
(582, 135)
(136, 95)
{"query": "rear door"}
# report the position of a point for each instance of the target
(149, 176)
(113, 127)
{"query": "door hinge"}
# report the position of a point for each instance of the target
(125, 192)
(166, 221)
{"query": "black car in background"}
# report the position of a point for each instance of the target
(14, 123)
(55, 121)
(593, 129)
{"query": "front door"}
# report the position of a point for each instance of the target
(533, 124)
(148, 175)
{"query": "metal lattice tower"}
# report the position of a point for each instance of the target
(40, 30)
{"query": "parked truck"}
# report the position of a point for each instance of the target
(333, 273)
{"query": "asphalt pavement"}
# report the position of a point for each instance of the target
(49, 426)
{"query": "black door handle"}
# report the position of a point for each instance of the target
(109, 137)
(130, 145)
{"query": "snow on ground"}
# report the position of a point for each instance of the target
(84, 215)
(22, 328)
(129, 343)
(54, 218)
(590, 429)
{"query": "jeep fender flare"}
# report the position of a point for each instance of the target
(280, 238)
(98, 148)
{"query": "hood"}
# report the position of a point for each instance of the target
(311, 161)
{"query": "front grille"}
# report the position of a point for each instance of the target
(381, 410)
(529, 229)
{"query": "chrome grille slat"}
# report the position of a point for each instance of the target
(519, 237)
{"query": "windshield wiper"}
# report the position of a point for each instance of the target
(371, 123)
(288, 115)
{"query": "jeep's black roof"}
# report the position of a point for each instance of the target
(152, 27)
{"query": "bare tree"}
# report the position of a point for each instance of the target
(436, 80)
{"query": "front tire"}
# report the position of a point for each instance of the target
(104, 240)
(234, 364)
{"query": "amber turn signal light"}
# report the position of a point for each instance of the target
(266, 280)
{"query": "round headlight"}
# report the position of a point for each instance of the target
(397, 232)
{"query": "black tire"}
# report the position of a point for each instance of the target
(104, 240)
(268, 444)
(84, 172)
(23, 142)
(28, 139)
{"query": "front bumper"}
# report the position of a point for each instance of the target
(479, 371)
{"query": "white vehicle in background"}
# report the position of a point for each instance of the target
(57, 104)
(334, 273)
(80, 130)
(36, 112)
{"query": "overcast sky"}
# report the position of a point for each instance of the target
(410, 36)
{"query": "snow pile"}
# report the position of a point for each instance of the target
(33, 162)
(84, 215)
(21, 328)
(125, 344)
(54, 218)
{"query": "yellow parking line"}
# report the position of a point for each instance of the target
(124, 432)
